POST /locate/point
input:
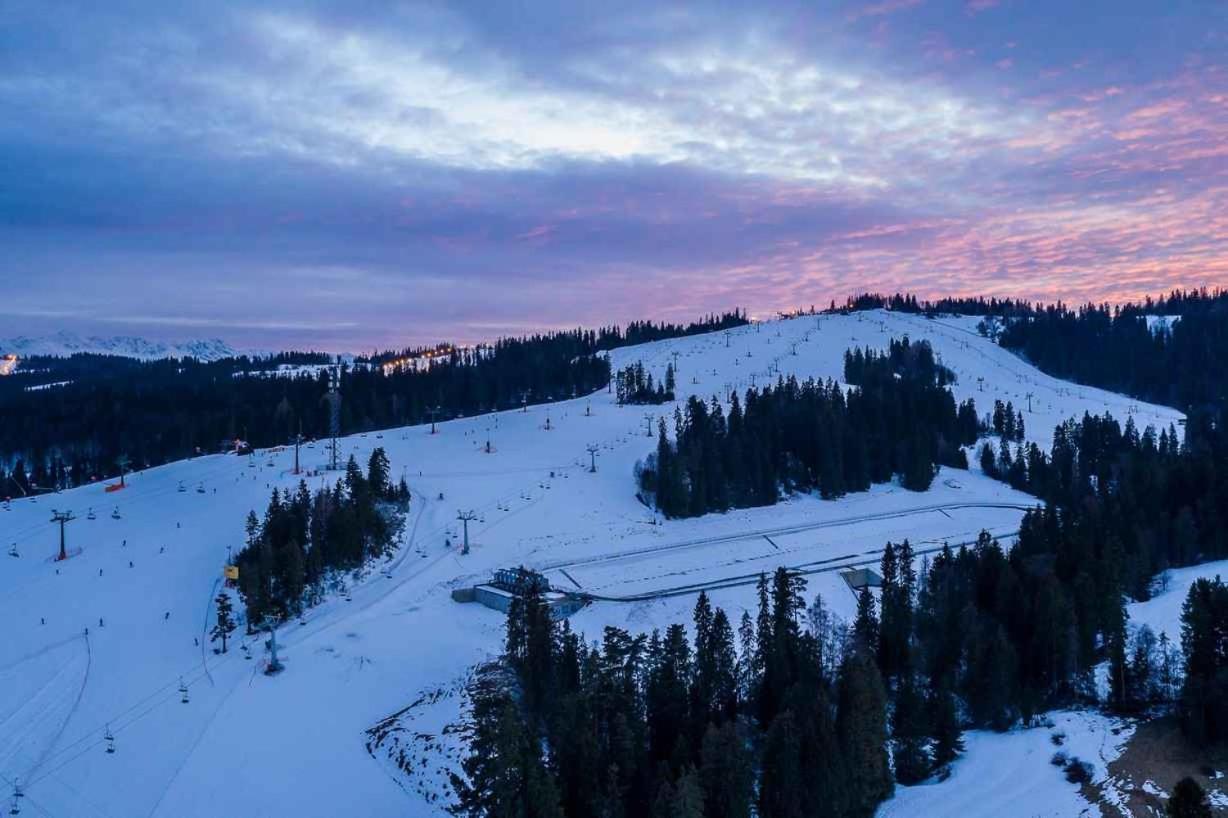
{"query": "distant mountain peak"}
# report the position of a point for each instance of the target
(66, 342)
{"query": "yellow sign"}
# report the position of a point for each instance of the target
(232, 572)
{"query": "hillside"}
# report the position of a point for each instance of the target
(295, 744)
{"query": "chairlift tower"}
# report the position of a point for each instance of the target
(334, 413)
(61, 517)
(592, 454)
(275, 666)
(466, 517)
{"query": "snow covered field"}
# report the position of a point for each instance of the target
(1010, 774)
(1162, 613)
(247, 745)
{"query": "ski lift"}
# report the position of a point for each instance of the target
(13, 551)
(91, 515)
(182, 487)
(115, 513)
(183, 692)
(110, 738)
(200, 489)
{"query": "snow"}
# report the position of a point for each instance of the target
(68, 343)
(1155, 323)
(1162, 613)
(1009, 775)
(296, 744)
(42, 386)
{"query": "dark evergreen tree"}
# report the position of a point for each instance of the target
(225, 623)
(1189, 800)
(862, 730)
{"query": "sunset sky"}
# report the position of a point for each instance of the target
(377, 173)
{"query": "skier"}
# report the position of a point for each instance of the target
(129, 563)
(167, 616)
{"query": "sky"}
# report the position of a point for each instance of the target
(376, 174)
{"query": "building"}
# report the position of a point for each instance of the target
(508, 583)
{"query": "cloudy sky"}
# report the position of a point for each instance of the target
(379, 173)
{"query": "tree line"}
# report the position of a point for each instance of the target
(782, 718)
(633, 384)
(901, 421)
(158, 411)
(792, 713)
(1182, 362)
(1120, 508)
(304, 540)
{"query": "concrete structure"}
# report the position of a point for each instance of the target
(508, 582)
(858, 578)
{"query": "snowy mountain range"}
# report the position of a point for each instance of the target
(69, 343)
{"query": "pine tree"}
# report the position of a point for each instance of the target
(781, 784)
(505, 776)
(1189, 800)
(862, 731)
(948, 741)
(378, 472)
(908, 732)
(865, 626)
(726, 772)
(989, 463)
(225, 623)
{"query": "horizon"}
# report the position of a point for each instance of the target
(298, 176)
(394, 347)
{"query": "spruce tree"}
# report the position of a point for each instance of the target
(225, 623)
(862, 731)
(909, 728)
(948, 740)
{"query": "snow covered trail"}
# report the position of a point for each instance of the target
(247, 745)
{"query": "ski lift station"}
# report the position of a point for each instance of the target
(508, 583)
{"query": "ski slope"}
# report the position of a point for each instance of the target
(248, 745)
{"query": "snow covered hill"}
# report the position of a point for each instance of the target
(68, 343)
(394, 644)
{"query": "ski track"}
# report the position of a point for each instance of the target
(251, 745)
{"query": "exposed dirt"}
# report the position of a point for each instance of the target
(1156, 757)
